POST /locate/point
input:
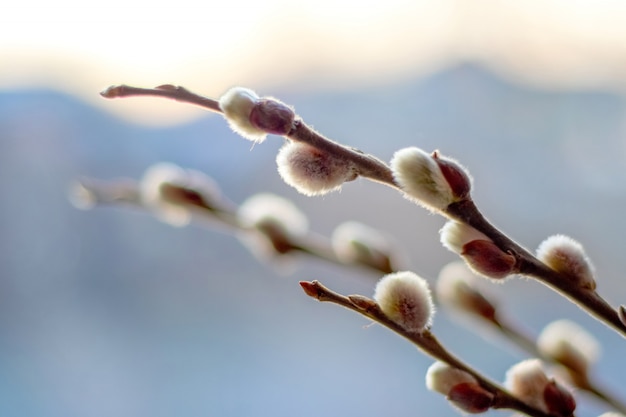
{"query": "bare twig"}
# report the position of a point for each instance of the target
(425, 341)
(166, 90)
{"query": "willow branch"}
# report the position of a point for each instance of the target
(90, 192)
(372, 168)
(528, 265)
(582, 382)
(425, 341)
(167, 91)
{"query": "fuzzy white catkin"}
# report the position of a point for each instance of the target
(421, 178)
(312, 171)
(271, 208)
(457, 289)
(441, 377)
(353, 241)
(567, 256)
(454, 235)
(270, 217)
(527, 380)
(237, 104)
(405, 298)
(164, 173)
(570, 344)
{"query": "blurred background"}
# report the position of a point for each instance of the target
(111, 313)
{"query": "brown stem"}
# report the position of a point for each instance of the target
(467, 212)
(425, 341)
(580, 381)
(101, 192)
(372, 168)
(367, 165)
(166, 90)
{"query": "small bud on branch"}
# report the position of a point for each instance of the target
(566, 256)
(456, 288)
(528, 381)
(430, 180)
(405, 298)
(480, 253)
(459, 387)
(237, 104)
(568, 343)
(311, 171)
(278, 221)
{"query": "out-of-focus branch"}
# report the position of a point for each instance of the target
(88, 193)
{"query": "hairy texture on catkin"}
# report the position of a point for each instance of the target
(405, 298)
(312, 171)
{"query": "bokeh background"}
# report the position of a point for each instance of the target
(111, 313)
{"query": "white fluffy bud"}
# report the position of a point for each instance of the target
(431, 180)
(354, 242)
(479, 252)
(237, 104)
(156, 192)
(567, 256)
(454, 235)
(312, 171)
(527, 381)
(459, 387)
(405, 298)
(569, 344)
(441, 377)
(278, 221)
(456, 288)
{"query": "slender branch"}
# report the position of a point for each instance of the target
(368, 166)
(372, 168)
(425, 341)
(580, 381)
(93, 192)
(167, 91)
(528, 265)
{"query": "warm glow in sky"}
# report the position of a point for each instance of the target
(208, 46)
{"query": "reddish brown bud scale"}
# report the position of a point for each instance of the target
(486, 258)
(276, 236)
(471, 398)
(272, 116)
(559, 401)
(483, 307)
(460, 183)
(310, 288)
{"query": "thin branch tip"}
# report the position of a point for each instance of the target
(112, 91)
(311, 288)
